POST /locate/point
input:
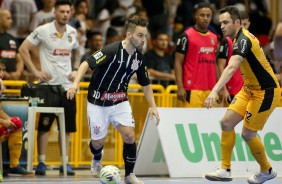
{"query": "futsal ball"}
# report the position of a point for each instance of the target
(110, 175)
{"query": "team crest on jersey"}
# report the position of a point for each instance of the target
(70, 39)
(135, 65)
(12, 44)
(212, 41)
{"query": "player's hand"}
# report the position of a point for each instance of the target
(211, 99)
(225, 96)
(72, 92)
(181, 94)
(154, 113)
(8, 124)
(43, 76)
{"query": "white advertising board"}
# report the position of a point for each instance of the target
(190, 140)
(150, 157)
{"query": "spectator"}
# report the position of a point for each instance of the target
(22, 12)
(160, 63)
(11, 130)
(9, 48)
(95, 43)
(278, 46)
(195, 59)
(56, 41)
(112, 35)
(43, 16)
(103, 20)
(157, 12)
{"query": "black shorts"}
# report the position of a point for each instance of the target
(46, 119)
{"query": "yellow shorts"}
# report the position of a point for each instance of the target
(196, 98)
(255, 106)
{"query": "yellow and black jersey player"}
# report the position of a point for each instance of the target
(253, 104)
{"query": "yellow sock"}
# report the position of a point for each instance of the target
(228, 139)
(258, 151)
(15, 147)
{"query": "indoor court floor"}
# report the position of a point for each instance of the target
(84, 177)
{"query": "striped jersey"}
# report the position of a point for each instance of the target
(112, 69)
(255, 69)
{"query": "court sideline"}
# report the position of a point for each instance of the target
(84, 177)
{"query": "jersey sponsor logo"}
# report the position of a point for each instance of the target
(243, 43)
(206, 50)
(113, 96)
(98, 55)
(62, 52)
(101, 59)
(135, 64)
(204, 60)
(12, 44)
(9, 54)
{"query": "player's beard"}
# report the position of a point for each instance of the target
(62, 22)
(135, 44)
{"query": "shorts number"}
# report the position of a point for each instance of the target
(248, 115)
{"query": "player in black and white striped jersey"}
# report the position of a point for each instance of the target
(112, 68)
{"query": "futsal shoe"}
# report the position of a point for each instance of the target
(219, 175)
(261, 177)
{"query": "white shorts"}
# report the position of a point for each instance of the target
(99, 118)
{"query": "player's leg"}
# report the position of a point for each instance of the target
(259, 109)
(233, 116)
(98, 123)
(122, 119)
(70, 125)
(44, 125)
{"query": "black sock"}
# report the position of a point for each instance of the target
(269, 170)
(129, 157)
(97, 153)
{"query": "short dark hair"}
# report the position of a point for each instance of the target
(244, 15)
(94, 33)
(233, 11)
(201, 5)
(62, 2)
(111, 32)
(131, 23)
(159, 32)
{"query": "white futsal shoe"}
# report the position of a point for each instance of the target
(219, 175)
(261, 177)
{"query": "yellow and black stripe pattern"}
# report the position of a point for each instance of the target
(255, 69)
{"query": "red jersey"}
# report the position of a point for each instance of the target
(199, 66)
(236, 82)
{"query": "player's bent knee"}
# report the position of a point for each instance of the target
(128, 138)
(97, 144)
